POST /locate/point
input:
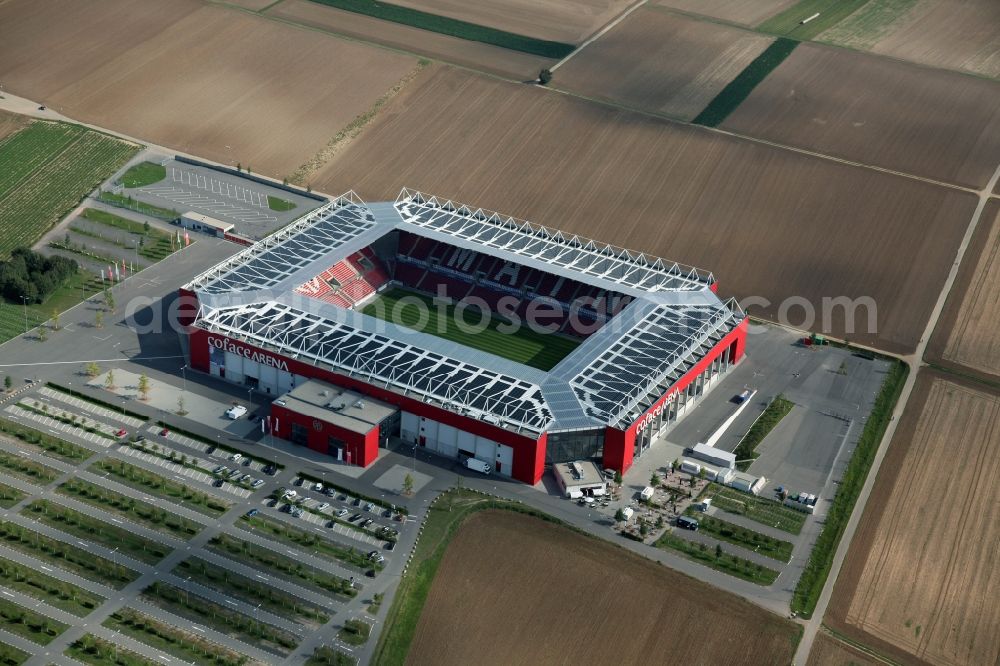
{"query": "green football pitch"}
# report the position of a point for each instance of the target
(418, 311)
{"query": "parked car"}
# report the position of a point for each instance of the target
(354, 517)
(236, 457)
(236, 411)
(342, 513)
(164, 432)
(235, 473)
(330, 492)
(121, 433)
(139, 438)
(270, 470)
(218, 470)
(323, 506)
(219, 483)
(247, 461)
(318, 487)
(251, 513)
(246, 478)
(257, 484)
(367, 522)
(369, 507)
(376, 556)
(289, 494)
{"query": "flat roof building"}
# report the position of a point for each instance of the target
(579, 478)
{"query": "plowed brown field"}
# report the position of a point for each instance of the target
(769, 222)
(569, 21)
(512, 589)
(922, 576)
(11, 122)
(967, 335)
(828, 651)
(662, 62)
(483, 57)
(746, 12)
(211, 81)
(931, 123)
(956, 34)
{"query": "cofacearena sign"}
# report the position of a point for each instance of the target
(655, 411)
(228, 345)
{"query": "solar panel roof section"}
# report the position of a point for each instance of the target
(606, 262)
(267, 263)
(614, 382)
(435, 378)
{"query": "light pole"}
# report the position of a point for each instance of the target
(249, 400)
(184, 378)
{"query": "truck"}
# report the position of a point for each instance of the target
(236, 411)
(477, 465)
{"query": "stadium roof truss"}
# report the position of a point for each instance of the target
(377, 359)
(528, 240)
(620, 384)
(611, 381)
(285, 252)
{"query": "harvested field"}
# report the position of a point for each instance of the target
(476, 55)
(954, 34)
(828, 651)
(201, 79)
(698, 197)
(878, 111)
(662, 62)
(11, 122)
(921, 579)
(745, 12)
(966, 335)
(569, 21)
(526, 591)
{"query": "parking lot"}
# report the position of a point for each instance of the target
(224, 196)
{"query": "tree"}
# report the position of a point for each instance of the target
(654, 480)
(92, 369)
(99, 319)
(408, 484)
(109, 381)
(180, 406)
(145, 227)
(55, 319)
(43, 333)
(618, 478)
(239, 167)
(8, 383)
(143, 387)
(545, 76)
(109, 299)
(620, 516)
(718, 551)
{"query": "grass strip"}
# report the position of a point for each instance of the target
(355, 632)
(96, 401)
(9, 496)
(137, 511)
(754, 541)
(717, 559)
(790, 23)
(89, 649)
(128, 203)
(746, 450)
(91, 529)
(252, 555)
(11, 656)
(293, 536)
(760, 509)
(327, 656)
(172, 640)
(220, 618)
(740, 87)
(48, 589)
(65, 418)
(454, 27)
(28, 624)
(143, 173)
(27, 470)
(253, 592)
(160, 486)
(65, 556)
(817, 569)
(278, 204)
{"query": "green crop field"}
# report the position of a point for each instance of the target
(144, 173)
(45, 170)
(537, 349)
(789, 22)
(278, 204)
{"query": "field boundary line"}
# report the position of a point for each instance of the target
(600, 33)
(811, 628)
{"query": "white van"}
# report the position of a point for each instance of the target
(236, 411)
(477, 465)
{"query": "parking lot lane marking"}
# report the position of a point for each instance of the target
(115, 520)
(44, 567)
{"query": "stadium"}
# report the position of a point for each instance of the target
(462, 331)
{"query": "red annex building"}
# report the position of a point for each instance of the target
(284, 317)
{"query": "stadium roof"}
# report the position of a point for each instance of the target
(610, 379)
